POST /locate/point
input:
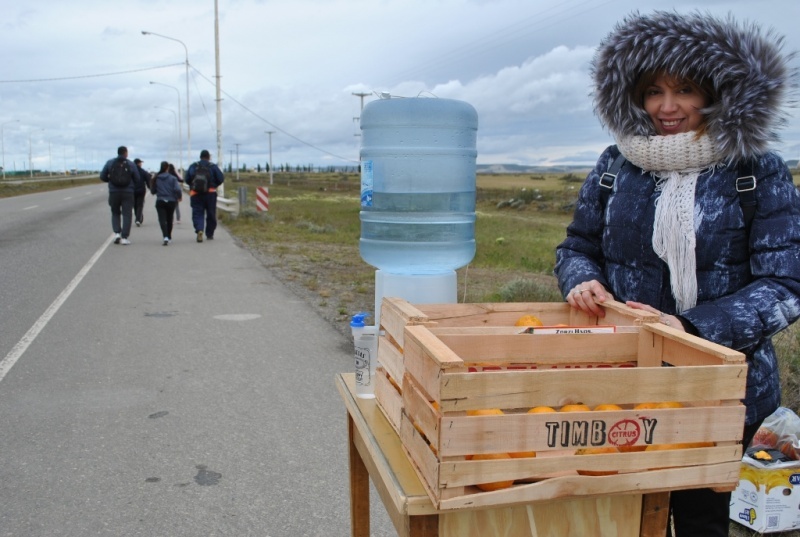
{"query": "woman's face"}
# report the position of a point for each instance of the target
(674, 106)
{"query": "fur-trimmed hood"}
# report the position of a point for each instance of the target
(746, 67)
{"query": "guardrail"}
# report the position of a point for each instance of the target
(227, 205)
(223, 204)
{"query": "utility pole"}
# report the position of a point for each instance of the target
(237, 161)
(221, 189)
(358, 119)
(270, 155)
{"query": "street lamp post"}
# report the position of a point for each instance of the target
(180, 137)
(188, 123)
(176, 126)
(3, 143)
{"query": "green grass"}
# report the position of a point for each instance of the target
(8, 189)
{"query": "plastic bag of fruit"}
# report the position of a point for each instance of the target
(777, 438)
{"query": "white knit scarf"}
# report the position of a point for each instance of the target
(675, 162)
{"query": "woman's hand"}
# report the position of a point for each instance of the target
(669, 320)
(588, 296)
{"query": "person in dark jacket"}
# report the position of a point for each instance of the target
(139, 192)
(204, 204)
(167, 190)
(120, 198)
(172, 171)
(692, 101)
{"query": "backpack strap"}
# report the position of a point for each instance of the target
(606, 180)
(746, 188)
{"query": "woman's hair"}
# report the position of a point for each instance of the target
(703, 88)
(164, 166)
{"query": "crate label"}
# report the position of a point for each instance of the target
(569, 330)
(585, 433)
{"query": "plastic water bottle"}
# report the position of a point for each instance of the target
(418, 184)
(365, 341)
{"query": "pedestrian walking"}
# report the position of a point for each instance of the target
(203, 178)
(122, 177)
(140, 192)
(180, 181)
(167, 190)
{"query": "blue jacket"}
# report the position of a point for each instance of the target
(166, 187)
(217, 178)
(135, 183)
(144, 184)
(748, 290)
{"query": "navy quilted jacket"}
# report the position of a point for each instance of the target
(748, 288)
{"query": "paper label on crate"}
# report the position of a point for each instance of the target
(568, 330)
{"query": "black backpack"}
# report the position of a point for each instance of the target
(120, 174)
(202, 178)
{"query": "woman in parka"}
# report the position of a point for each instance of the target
(693, 103)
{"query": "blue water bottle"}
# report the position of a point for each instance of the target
(418, 185)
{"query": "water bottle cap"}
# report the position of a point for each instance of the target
(358, 320)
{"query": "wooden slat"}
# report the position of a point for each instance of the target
(396, 313)
(389, 398)
(569, 486)
(462, 472)
(543, 348)
(680, 348)
(557, 387)
(391, 358)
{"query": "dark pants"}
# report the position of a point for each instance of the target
(165, 210)
(703, 512)
(121, 204)
(138, 206)
(204, 211)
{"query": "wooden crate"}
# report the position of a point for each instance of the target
(497, 318)
(647, 364)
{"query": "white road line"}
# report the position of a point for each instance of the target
(22, 345)
(29, 208)
(68, 198)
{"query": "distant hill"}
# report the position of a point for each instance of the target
(576, 169)
(519, 168)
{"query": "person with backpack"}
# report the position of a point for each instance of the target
(203, 178)
(691, 101)
(122, 177)
(167, 190)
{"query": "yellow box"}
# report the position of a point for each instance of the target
(767, 499)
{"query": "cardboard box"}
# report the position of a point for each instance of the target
(767, 500)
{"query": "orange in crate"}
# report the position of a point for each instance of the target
(496, 485)
(529, 320)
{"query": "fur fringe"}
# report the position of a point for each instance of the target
(747, 67)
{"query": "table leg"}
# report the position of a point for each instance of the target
(423, 526)
(655, 514)
(359, 487)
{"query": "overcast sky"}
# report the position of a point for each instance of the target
(76, 76)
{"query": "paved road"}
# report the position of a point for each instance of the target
(160, 391)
